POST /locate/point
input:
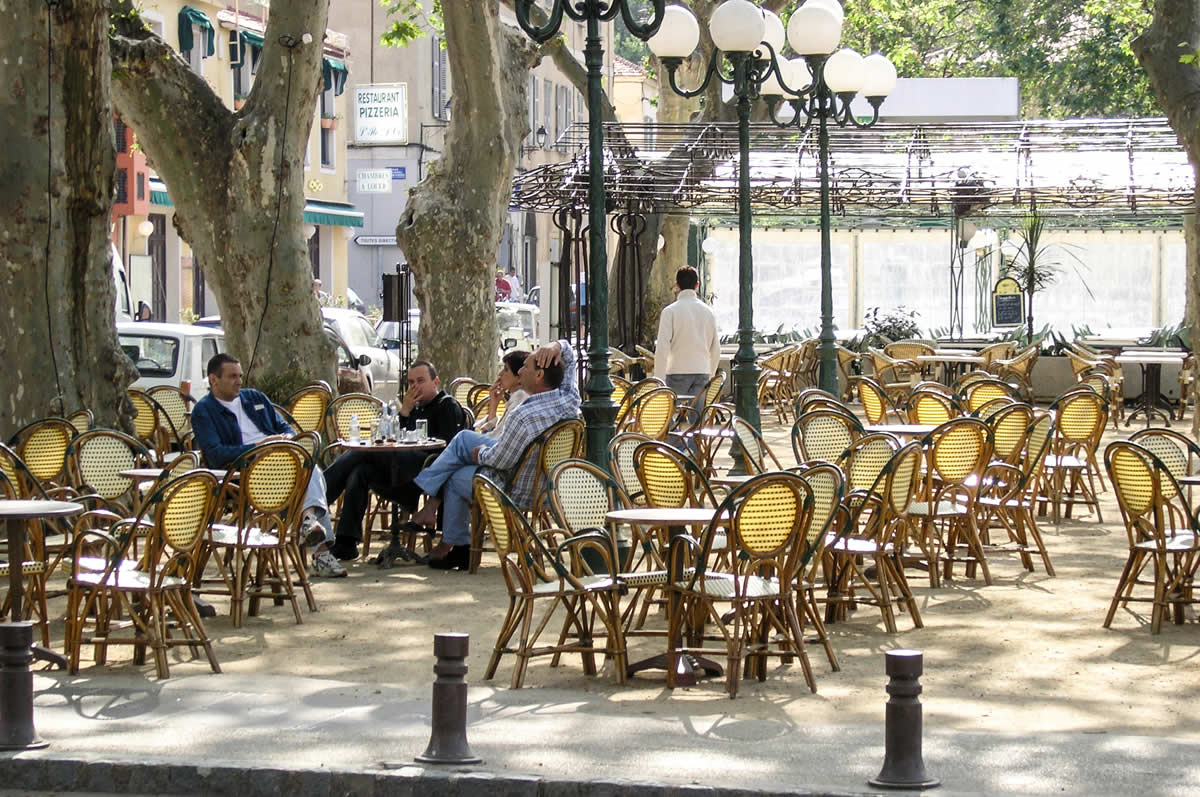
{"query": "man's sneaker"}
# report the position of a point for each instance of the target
(325, 566)
(312, 533)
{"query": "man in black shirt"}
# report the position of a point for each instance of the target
(356, 473)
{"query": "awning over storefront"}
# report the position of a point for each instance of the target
(188, 17)
(338, 214)
(334, 73)
(333, 213)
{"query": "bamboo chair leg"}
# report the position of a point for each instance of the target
(518, 676)
(797, 643)
(511, 622)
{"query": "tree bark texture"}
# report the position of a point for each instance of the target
(58, 341)
(452, 225)
(1175, 31)
(237, 181)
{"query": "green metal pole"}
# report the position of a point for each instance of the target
(828, 347)
(599, 412)
(745, 372)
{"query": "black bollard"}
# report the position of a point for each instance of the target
(16, 688)
(448, 738)
(903, 764)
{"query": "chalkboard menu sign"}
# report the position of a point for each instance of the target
(1008, 304)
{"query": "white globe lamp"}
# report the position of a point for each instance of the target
(844, 72)
(773, 34)
(678, 34)
(879, 76)
(814, 30)
(737, 26)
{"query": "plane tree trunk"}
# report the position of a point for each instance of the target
(237, 181)
(58, 343)
(1175, 31)
(452, 225)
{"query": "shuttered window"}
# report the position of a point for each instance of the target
(441, 80)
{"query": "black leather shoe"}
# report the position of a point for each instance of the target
(344, 549)
(458, 558)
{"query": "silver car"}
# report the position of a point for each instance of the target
(362, 339)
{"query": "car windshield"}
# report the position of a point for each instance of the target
(515, 319)
(154, 355)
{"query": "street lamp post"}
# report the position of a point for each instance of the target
(759, 69)
(834, 78)
(599, 412)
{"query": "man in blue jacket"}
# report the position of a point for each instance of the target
(230, 420)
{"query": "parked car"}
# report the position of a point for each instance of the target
(516, 323)
(353, 374)
(169, 354)
(361, 337)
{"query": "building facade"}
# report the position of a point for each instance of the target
(223, 43)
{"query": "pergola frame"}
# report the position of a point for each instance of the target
(1089, 173)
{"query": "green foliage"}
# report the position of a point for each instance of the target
(896, 324)
(625, 44)
(1073, 58)
(412, 22)
(1036, 265)
(278, 386)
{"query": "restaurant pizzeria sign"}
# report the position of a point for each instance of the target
(381, 114)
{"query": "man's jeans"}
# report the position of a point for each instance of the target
(687, 384)
(451, 474)
(314, 498)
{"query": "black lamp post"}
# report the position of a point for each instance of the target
(759, 69)
(599, 412)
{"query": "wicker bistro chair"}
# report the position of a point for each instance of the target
(957, 453)
(979, 392)
(875, 530)
(174, 421)
(823, 435)
(42, 446)
(258, 553)
(997, 351)
(708, 434)
(33, 577)
(147, 419)
(1018, 370)
(460, 387)
(154, 590)
(755, 451)
(776, 381)
(1187, 381)
(876, 402)
(926, 406)
(343, 408)
(1072, 469)
(95, 460)
(579, 498)
(669, 478)
(1009, 490)
(828, 485)
(1171, 552)
(308, 404)
(634, 393)
(620, 459)
(82, 420)
(1010, 430)
(563, 440)
(549, 567)
(652, 413)
(894, 377)
(749, 598)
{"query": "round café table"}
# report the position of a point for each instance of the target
(17, 650)
(675, 519)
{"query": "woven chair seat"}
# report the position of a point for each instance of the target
(860, 546)
(1179, 543)
(97, 564)
(26, 567)
(943, 509)
(722, 586)
(588, 582)
(122, 578)
(224, 534)
(1065, 461)
(1011, 503)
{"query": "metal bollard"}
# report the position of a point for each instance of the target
(448, 737)
(16, 688)
(903, 764)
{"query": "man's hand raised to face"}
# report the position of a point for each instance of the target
(550, 354)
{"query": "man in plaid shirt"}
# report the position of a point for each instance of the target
(550, 379)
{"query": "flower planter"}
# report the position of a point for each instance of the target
(328, 124)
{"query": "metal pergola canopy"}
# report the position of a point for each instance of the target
(1088, 173)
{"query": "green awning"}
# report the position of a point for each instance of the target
(337, 214)
(158, 193)
(188, 17)
(334, 73)
(252, 39)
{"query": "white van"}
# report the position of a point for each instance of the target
(169, 354)
(124, 309)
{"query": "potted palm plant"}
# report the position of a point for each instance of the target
(1036, 265)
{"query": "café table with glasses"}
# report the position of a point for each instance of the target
(413, 440)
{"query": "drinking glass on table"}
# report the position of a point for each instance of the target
(422, 429)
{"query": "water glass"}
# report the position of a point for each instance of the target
(422, 429)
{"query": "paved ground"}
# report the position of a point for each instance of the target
(1024, 694)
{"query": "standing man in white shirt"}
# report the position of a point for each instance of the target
(688, 352)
